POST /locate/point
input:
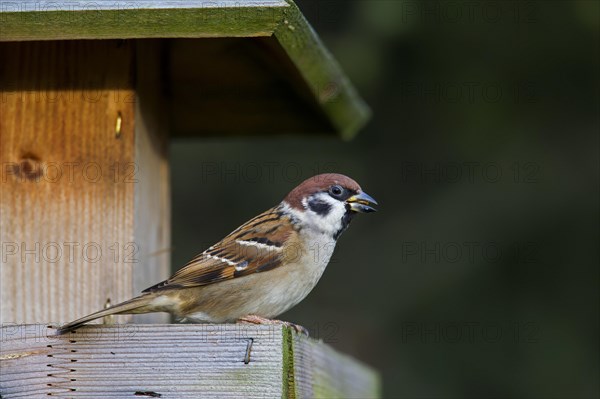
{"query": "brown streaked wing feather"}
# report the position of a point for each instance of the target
(265, 236)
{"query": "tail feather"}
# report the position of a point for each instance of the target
(134, 305)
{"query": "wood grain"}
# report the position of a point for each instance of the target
(176, 361)
(67, 199)
(321, 372)
(92, 19)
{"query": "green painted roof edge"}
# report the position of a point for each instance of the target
(138, 23)
(329, 84)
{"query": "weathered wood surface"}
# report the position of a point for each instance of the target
(321, 372)
(84, 205)
(107, 19)
(67, 191)
(176, 361)
(312, 96)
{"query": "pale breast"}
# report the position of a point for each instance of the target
(270, 293)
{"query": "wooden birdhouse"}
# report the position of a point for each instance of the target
(91, 94)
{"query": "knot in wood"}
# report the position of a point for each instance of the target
(29, 167)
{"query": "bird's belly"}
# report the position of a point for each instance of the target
(266, 294)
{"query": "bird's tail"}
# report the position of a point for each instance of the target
(135, 305)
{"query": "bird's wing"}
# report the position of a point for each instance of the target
(261, 244)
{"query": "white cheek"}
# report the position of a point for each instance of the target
(329, 223)
(324, 224)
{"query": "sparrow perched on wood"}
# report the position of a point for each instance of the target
(264, 267)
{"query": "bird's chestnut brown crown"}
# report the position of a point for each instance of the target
(331, 182)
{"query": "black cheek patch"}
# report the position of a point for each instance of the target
(346, 219)
(319, 207)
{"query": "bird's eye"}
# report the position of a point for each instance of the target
(336, 190)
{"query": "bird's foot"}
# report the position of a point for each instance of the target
(254, 319)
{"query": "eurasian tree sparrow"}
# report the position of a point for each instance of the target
(264, 267)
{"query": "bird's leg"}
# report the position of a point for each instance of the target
(254, 319)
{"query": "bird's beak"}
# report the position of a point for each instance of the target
(362, 202)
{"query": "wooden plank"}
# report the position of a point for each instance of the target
(91, 19)
(321, 372)
(46, 6)
(176, 361)
(66, 202)
(152, 219)
(330, 87)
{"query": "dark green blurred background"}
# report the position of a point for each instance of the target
(478, 278)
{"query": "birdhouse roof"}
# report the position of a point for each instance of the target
(232, 66)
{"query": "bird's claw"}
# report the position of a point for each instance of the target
(254, 319)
